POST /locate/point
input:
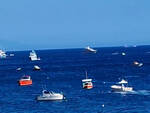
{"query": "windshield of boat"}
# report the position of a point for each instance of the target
(25, 77)
(46, 92)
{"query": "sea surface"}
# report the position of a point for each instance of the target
(62, 71)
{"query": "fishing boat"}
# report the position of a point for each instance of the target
(88, 48)
(47, 96)
(87, 83)
(2, 54)
(25, 80)
(36, 67)
(121, 87)
(33, 56)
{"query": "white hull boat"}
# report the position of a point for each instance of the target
(90, 49)
(121, 87)
(36, 67)
(50, 96)
(137, 64)
(2, 54)
(33, 56)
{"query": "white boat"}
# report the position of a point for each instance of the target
(33, 56)
(2, 54)
(137, 64)
(123, 53)
(121, 87)
(47, 95)
(90, 49)
(18, 69)
(36, 67)
(87, 83)
(12, 55)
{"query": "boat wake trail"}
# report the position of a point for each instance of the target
(142, 92)
(138, 92)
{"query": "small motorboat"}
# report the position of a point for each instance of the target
(137, 64)
(90, 49)
(121, 87)
(25, 80)
(123, 53)
(18, 69)
(12, 55)
(47, 95)
(36, 67)
(87, 83)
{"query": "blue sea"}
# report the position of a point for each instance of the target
(62, 71)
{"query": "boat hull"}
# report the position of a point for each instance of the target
(116, 88)
(25, 82)
(48, 98)
(87, 87)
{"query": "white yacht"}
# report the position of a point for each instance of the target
(33, 56)
(90, 49)
(47, 95)
(2, 54)
(121, 87)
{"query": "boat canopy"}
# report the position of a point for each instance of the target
(86, 80)
(123, 82)
(46, 92)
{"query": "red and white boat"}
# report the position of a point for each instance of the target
(25, 80)
(87, 83)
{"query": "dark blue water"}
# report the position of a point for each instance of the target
(63, 70)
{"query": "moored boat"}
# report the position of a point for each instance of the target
(2, 54)
(47, 96)
(33, 56)
(18, 69)
(135, 63)
(36, 67)
(25, 80)
(88, 48)
(87, 83)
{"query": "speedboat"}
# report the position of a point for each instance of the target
(90, 49)
(2, 54)
(36, 67)
(87, 83)
(33, 56)
(121, 87)
(25, 80)
(47, 95)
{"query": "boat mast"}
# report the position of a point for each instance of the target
(86, 74)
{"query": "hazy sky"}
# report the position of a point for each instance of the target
(49, 24)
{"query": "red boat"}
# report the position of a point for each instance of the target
(87, 83)
(25, 80)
